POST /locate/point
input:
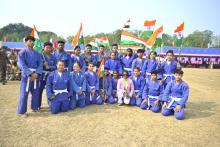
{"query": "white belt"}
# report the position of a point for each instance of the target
(151, 97)
(148, 73)
(128, 69)
(60, 91)
(28, 81)
(91, 96)
(111, 71)
(136, 90)
(77, 96)
(173, 99)
(168, 75)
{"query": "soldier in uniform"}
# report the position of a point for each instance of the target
(3, 64)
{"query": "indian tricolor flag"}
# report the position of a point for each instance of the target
(37, 43)
(127, 24)
(179, 35)
(150, 25)
(94, 44)
(130, 39)
(78, 38)
(101, 69)
(104, 41)
(152, 40)
(159, 40)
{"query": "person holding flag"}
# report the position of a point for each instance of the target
(31, 65)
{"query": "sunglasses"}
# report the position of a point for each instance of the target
(125, 74)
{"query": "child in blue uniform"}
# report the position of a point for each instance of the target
(139, 83)
(152, 94)
(92, 85)
(79, 87)
(175, 96)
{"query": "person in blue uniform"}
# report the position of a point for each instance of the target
(168, 67)
(59, 89)
(152, 94)
(113, 64)
(139, 83)
(115, 79)
(175, 96)
(92, 91)
(60, 54)
(127, 60)
(106, 89)
(89, 57)
(31, 65)
(49, 65)
(76, 57)
(139, 61)
(150, 65)
(79, 87)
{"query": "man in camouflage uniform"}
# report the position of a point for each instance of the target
(3, 64)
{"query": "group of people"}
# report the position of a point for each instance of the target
(9, 69)
(73, 81)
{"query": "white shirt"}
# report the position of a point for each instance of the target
(59, 73)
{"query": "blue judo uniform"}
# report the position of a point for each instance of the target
(89, 58)
(80, 60)
(148, 67)
(127, 63)
(29, 62)
(51, 60)
(167, 71)
(152, 91)
(113, 65)
(139, 83)
(114, 88)
(61, 88)
(107, 90)
(79, 84)
(92, 84)
(138, 63)
(63, 56)
(175, 94)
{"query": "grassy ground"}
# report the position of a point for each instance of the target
(111, 125)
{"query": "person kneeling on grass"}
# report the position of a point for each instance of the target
(175, 96)
(152, 94)
(105, 89)
(79, 87)
(59, 89)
